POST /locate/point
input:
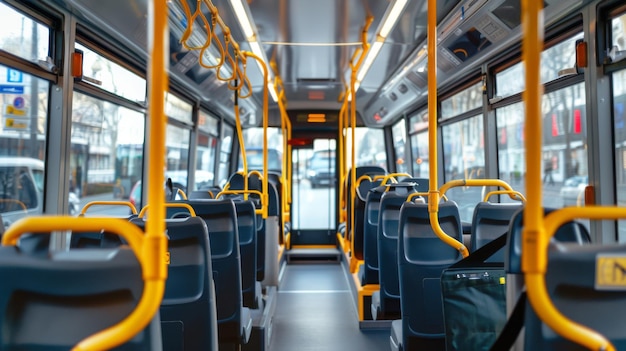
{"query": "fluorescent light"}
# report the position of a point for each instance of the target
(369, 59)
(243, 18)
(272, 89)
(388, 23)
(392, 17)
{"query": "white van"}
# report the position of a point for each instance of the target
(21, 189)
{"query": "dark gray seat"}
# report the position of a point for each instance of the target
(188, 311)
(386, 301)
(422, 257)
(358, 207)
(573, 291)
(491, 220)
(234, 320)
(52, 302)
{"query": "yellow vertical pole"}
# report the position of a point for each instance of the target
(433, 193)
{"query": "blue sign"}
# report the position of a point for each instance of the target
(11, 89)
(14, 76)
(18, 102)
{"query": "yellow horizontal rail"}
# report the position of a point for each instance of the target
(90, 204)
(188, 207)
(514, 195)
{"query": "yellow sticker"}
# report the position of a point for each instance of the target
(502, 280)
(610, 272)
(167, 257)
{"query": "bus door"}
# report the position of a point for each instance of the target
(314, 194)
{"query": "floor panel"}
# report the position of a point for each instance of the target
(315, 312)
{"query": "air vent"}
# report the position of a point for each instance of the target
(419, 79)
(403, 88)
(393, 96)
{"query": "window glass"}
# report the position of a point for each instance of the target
(226, 149)
(205, 161)
(177, 143)
(22, 144)
(419, 121)
(565, 158)
(398, 132)
(464, 101)
(178, 109)
(253, 139)
(110, 76)
(23, 37)
(208, 123)
(619, 119)
(618, 32)
(370, 147)
(107, 152)
(464, 158)
(421, 167)
(553, 60)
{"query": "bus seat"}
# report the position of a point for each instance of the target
(234, 320)
(247, 228)
(422, 257)
(369, 269)
(572, 290)
(360, 217)
(266, 250)
(358, 172)
(51, 302)
(188, 311)
(369, 274)
(200, 195)
(490, 221)
(386, 301)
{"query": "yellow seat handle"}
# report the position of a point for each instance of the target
(90, 204)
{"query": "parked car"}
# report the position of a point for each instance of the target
(321, 169)
(573, 190)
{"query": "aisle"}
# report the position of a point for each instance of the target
(315, 312)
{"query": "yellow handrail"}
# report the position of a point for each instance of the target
(392, 177)
(534, 265)
(475, 182)
(181, 193)
(90, 204)
(143, 211)
(514, 195)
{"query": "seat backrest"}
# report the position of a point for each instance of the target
(273, 210)
(422, 257)
(188, 310)
(362, 191)
(490, 221)
(359, 171)
(370, 231)
(247, 228)
(220, 217)
(52, 302)
(388, 224)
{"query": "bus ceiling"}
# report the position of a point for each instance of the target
(309, 45)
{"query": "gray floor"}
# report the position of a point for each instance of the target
(315, 311)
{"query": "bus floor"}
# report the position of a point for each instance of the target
(315, 311)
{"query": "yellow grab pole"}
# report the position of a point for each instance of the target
(265, 197)
(355, 68)
(154, 243)
(536, 233)
(433, 193)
